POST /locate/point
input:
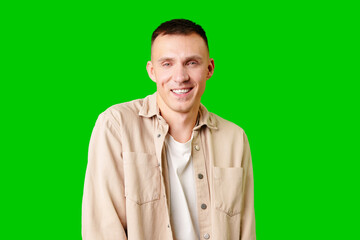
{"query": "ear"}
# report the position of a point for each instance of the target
(211, 67)
(150, 70)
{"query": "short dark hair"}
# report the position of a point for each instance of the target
(179, 27)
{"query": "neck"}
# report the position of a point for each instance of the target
(180, 124)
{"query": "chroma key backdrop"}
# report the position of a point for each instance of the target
(287, 72)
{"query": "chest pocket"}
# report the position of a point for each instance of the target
(142, 177)
(228, 189)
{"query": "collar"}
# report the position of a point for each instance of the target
(150, 108)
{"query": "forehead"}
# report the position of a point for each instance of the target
(179, 46)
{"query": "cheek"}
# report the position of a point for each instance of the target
(202, 81)
(162, 77)
(201, 78)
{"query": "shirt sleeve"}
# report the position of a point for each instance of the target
(103, 206)
(248, 213)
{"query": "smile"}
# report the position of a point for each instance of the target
(181, 91)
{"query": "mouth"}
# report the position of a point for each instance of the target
(182, 91)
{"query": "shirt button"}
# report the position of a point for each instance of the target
(206, 236)
(197, 148)
(200, 176)
(203, 206)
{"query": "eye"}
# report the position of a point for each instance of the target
(166, 64)
(192, 63)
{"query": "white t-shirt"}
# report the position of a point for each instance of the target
(183, 209)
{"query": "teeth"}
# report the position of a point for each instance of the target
(181, 91)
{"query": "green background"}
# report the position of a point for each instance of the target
(286, 72)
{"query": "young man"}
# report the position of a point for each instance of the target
(164, 167)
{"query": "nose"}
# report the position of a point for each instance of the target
(181, 74)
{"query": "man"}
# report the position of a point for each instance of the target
(164, 167)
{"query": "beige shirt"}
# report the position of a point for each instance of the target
(126, 192)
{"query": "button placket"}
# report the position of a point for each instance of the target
(159, 134)
(202, 187)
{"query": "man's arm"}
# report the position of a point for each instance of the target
(248, 214)
(103, 208)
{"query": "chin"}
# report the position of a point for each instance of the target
(182, 108)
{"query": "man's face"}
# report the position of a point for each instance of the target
(180, 66)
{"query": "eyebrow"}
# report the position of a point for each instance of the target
(196, 57)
